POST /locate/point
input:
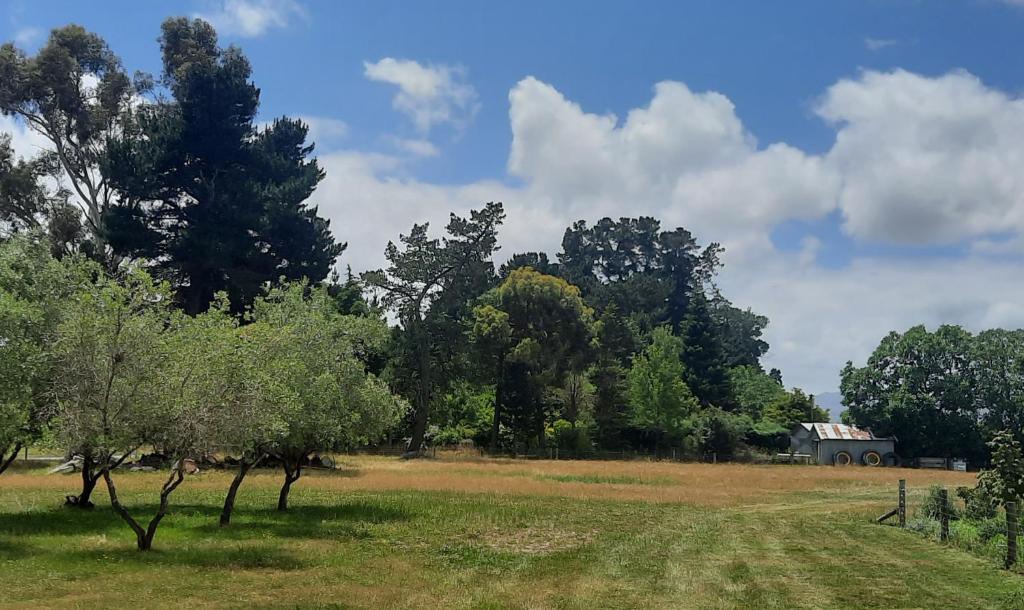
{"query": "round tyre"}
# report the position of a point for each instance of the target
(871, 458)
(842, 458)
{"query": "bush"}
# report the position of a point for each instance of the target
(769, 435)
(933, 506)
(720, 432)
(570, 438)
(979, 503)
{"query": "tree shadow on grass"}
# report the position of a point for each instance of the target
(213, 556)
(60, 521)
(340, 521)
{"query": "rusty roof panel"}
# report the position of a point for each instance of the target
(842, 432)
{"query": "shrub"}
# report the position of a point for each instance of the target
(720, 432)
(934, 506)
(979, 503)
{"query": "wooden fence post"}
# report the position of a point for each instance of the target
(1011, 534)
(903, 503)
(944, 515)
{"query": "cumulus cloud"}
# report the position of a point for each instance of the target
(822, 317)
(685, 158)
(252, 18)
(325, 131)
(416, 147)
(25, 142)
(429, 95)
(916, 160)
(926, 160)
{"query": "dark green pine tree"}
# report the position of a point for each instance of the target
(706, 370)
(616, 344)
(214, 202)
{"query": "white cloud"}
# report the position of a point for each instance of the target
(27, 36)
(429, 95)
(926, 160)
(687, 158)
(252, 18)
(417, 148)
(822, 317)
(325, 131)
(877, 44)
(25, 142)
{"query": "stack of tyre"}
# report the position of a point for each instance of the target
(867, 458)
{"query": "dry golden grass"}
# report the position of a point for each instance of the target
(697, 484)
(458, 532)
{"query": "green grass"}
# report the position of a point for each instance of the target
(403, 548)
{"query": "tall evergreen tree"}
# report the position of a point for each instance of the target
(706, 371)
(215, 202)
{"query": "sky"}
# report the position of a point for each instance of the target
(862, 162)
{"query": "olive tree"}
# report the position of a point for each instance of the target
(320, 357)
(33, 290)
(258, 401)
(131, 372)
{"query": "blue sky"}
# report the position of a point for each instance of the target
(813, 138)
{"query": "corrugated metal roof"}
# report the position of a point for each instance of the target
(841, 432)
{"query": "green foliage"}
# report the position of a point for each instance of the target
(933, 506)
(429, 283)
(739, 331)
(214, 202)
(754, 390)
(721, 432)
(315, 355)
(35, 290)
(27, 203)
(464, 412)
(919, 386)
(767, 434)
(1005, 479)
(979, 502)
(794, 408)
(112, 385)
(662, 402)
(538, 331)
(52, 92)
(702, 353)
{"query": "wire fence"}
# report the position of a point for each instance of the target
(944, 516)
(557, 453)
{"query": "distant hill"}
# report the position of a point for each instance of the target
(831, 402)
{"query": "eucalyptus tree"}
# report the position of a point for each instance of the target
(28, 203)
(419, 274)
(318, 357)
(76, 94)
(539, 330)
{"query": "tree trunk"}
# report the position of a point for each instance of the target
(290, 476)
(90, 477)
(144, 537)
(229, 502)
(5, 463)
(421, 416)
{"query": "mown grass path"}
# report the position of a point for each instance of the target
(495, 534)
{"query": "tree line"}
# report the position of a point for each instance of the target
(621, 340)
(941, 393)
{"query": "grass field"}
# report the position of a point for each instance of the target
(453, 533)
